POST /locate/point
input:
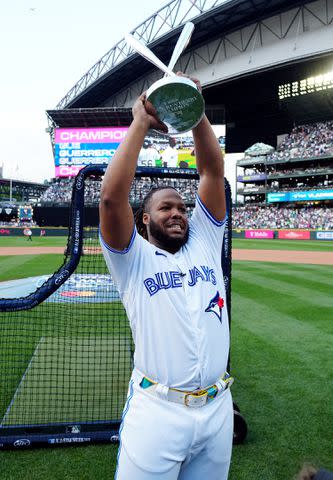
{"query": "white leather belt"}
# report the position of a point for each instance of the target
(194, 399)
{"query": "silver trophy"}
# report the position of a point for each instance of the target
(177, 101)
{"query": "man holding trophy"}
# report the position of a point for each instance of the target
(177, 422)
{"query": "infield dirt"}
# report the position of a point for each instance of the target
(283, 256)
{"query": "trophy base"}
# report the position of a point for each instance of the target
(177, 102)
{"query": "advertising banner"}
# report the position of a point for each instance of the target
(246, 178)
(259, 234)
(278, 197)
(309, 195)
(326, 235)
(294, 234)
(312, 195)
(37, 232)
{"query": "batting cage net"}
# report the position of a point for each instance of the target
(66, 350)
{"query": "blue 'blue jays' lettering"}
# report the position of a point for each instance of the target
(172, 279)
(206, 275)
(163, 280)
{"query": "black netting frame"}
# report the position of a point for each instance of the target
(65, 363)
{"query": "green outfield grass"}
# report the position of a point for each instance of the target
(36, 242)
(282, 334)
(315, 245)
(21, 266)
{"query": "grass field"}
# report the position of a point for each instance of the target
(36, 242)
(21, 266)
(309, 245)
(282, 334)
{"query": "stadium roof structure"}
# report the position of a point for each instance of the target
(120, 66)
(90, 117)
(234, 101)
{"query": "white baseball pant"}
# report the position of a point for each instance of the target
(162, 440)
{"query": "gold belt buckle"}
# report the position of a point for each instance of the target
(199, 399)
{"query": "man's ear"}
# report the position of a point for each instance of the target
(146, 218)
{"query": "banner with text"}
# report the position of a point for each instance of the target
(259, 234)
(309, 195)
(247, 178)
(74, 148)
(325, 235)
(294, 234)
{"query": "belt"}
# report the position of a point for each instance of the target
(194, 399)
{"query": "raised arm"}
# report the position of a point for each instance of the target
(210, 165)
(116, 216)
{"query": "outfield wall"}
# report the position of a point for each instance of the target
(36, 232)
(290, 234)
(57, 216)
(264, 234)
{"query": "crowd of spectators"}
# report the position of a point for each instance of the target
(141, 187)
(300, 171)
(248, 217)
(306, 141)
(60, 191)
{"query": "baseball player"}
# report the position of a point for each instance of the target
(178, 418)
(170, 154)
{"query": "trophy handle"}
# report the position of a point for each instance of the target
(145, 52)
(183, 41)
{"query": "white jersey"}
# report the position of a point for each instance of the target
(148, 157)
(170, 157)
(176, 304)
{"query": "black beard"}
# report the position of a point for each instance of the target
(170, 244)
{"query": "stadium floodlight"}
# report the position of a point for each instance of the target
(305, 86)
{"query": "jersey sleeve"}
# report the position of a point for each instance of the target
(123, 265)
(206, 227)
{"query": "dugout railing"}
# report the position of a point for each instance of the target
(66, 349)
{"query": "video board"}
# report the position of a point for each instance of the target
(173, 151)
(74, 148)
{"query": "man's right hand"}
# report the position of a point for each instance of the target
(143, 110)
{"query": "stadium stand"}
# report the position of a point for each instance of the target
(299, 174)
(253, 216)
(306, 141)
(60, 190)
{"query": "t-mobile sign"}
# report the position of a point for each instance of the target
(75, 148)
(259, 234)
